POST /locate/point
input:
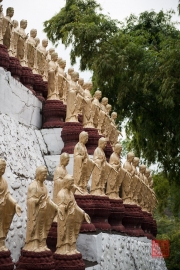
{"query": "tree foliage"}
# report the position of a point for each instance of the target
(136, 65)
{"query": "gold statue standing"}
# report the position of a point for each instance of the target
(8, 207)
(40, 213)
(83, 165)
(101, 171)
(70, 218)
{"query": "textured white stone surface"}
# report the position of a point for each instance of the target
(53, 140)
(113, 252)
(19, 102)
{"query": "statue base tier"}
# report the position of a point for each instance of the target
(45, 93)
(108, 150)
(85, 202)
(116, 216)
(54, 113)
(15, 68)
(102, 208)
(39, 87)
(27, 78)
(147, 224)
(52, 237)
(69, 262)
(70, 136)
(93, 139)
(6, 261)
(35, 260)
(154, 228)
(4, 57)
(132, 220)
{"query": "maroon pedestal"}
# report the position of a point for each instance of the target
(15, 68)
(147, 224)
(93, 139)
(132, 220)
(6, 261)
(35, 260)
(27, 78)
(86, 203)
(69, 262)
(102, 208)
(54, 113)
(39, 87)
(108, 150)
(4, 57)
(52, 237)
(70, 136)
(116, 215)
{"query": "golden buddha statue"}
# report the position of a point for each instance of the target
(7, 27)
(101, 170)
(74, 99)
(8, 207)
(21, 44)
(116, 177)
(40, 213)
(53, 93)
(70, 218)
(83, 165)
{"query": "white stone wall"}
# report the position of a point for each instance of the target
(18, 102)
(118, 252)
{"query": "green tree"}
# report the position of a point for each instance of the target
(136, 65)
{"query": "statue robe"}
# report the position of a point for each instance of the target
(7, 209)
(99, 175)
(53, 81)
(39, 216)
(69, 223)
(87, 112)
(74, 100)
(83, 167)
(59, 175)
(115, 178)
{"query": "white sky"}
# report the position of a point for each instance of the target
(37, 11)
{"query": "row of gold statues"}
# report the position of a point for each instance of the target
(66, 87)
(107, 180)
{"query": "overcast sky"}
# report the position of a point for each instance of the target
(37, 11)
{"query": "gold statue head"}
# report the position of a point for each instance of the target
(98, 94)
(89, 86)
(33, 33)
(41, 173)
(45, 42)
(75, 76)
(70, 70)
(114, 115)
(62, 63)
(51, 50)
(54, 56)
(15, 23)
(69, 181)
(135, 161)
(118, 148)
(23, 24)
(81, 81)
(109, 108)
(142, 168)
(83, 137)
(10, 12)
(64, 159)
(102, 143)
(130, 156)
(147, 172)
(1, 7)
(104, 101)
(2, 166)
